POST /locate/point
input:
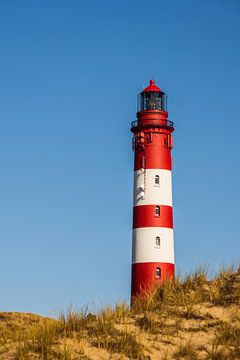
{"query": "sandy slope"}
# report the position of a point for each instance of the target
(201, 330)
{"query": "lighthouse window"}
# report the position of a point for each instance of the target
(157, 180)
(152, 100)
(157, 210)
(157, 241)
(158, 272)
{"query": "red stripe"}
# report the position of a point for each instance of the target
(153, 156)
(144, 216)
(144, 276)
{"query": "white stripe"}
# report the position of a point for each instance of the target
(147, 192)
(144, 245)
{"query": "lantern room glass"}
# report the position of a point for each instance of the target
(152, 100)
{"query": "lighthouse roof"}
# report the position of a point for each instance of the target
(152, 87)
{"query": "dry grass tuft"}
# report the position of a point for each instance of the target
(186, 351)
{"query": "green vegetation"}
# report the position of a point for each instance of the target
(193, 318)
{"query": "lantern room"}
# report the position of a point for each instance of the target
(152, 98)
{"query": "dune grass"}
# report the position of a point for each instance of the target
(165, 321)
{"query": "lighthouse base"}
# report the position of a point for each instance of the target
(146, 276)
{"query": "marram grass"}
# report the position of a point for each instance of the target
(190, 318)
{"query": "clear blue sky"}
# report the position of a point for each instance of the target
(70, 72)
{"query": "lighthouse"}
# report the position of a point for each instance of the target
(152, 233)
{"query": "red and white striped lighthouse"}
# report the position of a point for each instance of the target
(152, 241)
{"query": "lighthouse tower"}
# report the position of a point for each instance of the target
(152, 241)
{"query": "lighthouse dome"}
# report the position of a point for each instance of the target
(152, 87)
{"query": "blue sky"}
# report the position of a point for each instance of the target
(70, 72)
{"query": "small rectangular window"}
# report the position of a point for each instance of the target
(157, 210)
(157, 180)
(158, 272)
(158, 241)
